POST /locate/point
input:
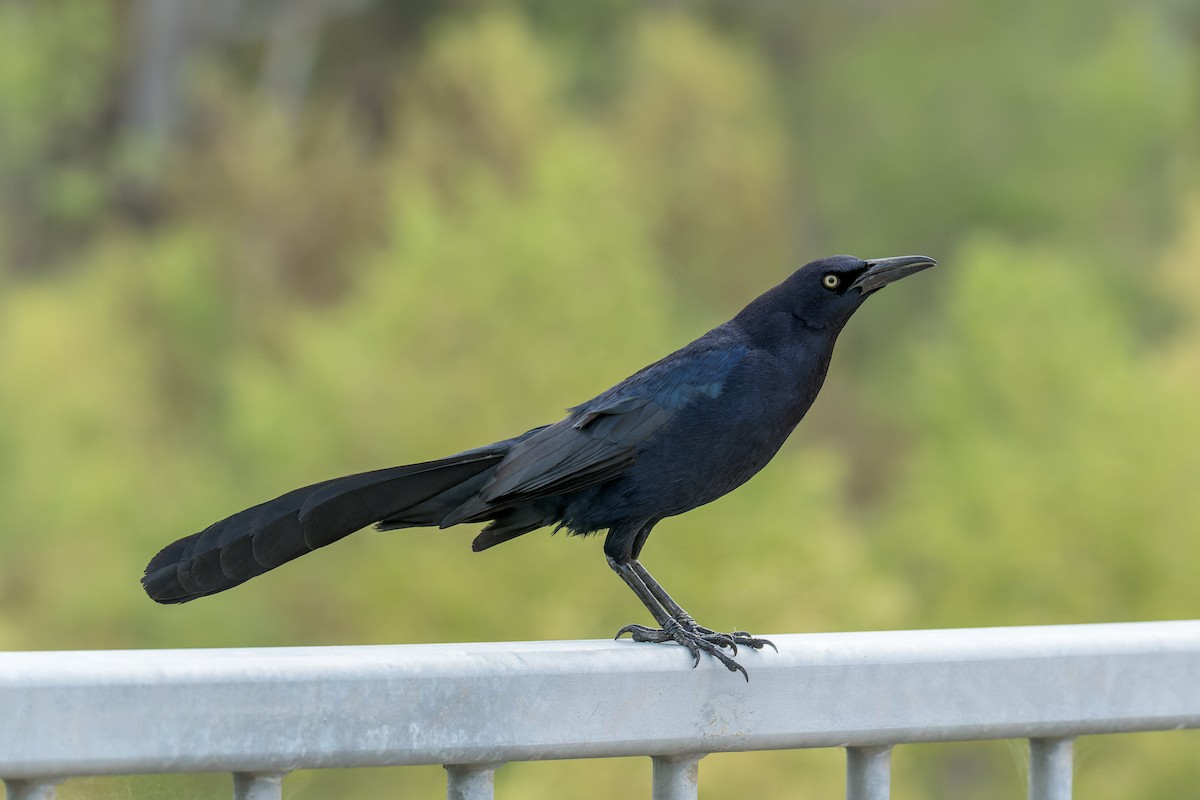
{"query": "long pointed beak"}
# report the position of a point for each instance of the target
(882, 271)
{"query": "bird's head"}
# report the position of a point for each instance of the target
(824, 293)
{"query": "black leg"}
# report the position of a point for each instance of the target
(676, 624)
(734, 639)
(625, 570)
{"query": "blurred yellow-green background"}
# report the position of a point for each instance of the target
(247, 245)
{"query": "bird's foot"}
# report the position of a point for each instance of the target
(697, 638)
(738, 638)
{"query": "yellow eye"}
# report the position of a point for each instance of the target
(831, 281)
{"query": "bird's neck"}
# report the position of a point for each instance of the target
(809, 365)
(799, 358)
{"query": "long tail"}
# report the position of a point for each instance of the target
(261, 538)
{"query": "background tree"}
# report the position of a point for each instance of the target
(381, 232)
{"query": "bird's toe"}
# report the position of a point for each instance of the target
(640, 633)
(746, 640)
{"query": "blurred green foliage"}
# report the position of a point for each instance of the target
(485, 214)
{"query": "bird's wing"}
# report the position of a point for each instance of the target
(602, 437)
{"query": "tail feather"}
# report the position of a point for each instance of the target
(230, 551)
(355, 502)
(513, 522)
(433, 510)
(254, 541)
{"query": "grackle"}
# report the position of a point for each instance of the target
(675, 435)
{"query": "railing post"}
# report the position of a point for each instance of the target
(470, 781)
(1050, 769)
(869, 772)
(33, 789)
(258, 785)
(676, 777)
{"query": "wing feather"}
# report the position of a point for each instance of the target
(602, 437)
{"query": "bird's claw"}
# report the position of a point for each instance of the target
(697, 638)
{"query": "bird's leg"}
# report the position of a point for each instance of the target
(685, 619)
(644, 594)
(673, 630)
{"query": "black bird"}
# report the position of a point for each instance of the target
(676, 435)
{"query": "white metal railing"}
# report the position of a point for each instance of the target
(260, 713)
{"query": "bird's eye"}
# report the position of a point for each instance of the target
(831, 281)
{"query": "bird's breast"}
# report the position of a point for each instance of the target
(718, 444)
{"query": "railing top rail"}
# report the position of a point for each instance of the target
(277, 709)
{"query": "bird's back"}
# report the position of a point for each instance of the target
(718, 438)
